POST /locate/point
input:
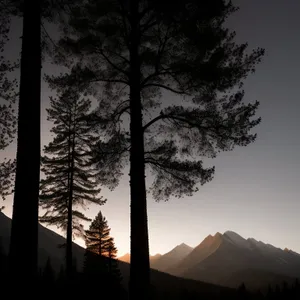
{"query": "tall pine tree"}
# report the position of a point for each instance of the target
(27, 168)
(136, 52)
(70, 180)
(26, 192)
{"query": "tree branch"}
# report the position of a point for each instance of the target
(165, 169)
(160, 117)
(111, 63)
(165, 87)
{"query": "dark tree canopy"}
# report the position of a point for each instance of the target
(191, 56)
(8, 95)
(175, 74)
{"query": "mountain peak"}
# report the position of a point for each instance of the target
(125, 258)
(236, 239)
(184, 245)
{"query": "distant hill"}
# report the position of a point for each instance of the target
(165, 285)
(220, 260)
(164, 262)
(228, 259)
(49, 244)
(126, 258)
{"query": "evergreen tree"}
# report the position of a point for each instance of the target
(101, 252)
(3, 263)
(98, 236)
(136, 51)
(48, 274)
(28, 151)
(113, 267)
(27, 165)
(242, 292)
(70, 180)
(61, 275)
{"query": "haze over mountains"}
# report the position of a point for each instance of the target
(166, 261)
(229, 259)
(223, 259)
(49, 246)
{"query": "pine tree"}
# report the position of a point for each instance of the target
(137, 52)
(3, 263)
(98, 236)
(27, 164)
(28, 151)
(242, 292)
(48, 274)
(101, 252)
(113, 267)
(70, 180)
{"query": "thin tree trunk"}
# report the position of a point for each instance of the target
(23, 260)
(100, 243)
(69, 254)
(110, 263)
(139, 267)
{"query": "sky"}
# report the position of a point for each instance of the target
(255, 190)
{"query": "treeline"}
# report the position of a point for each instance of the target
(276, 292)
(100, 267)
(135, 59)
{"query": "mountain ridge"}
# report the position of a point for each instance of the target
(218, 258)
(225, 259)
(162, 282)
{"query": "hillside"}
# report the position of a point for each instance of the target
(126, 258)
(223, 259)
(229, 259)
(164, 262)
(165, 285)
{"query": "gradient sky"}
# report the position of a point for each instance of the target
(255, 191)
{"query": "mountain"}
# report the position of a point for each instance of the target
(126, 258)
(165, 285)
(220, 260)
(198, 254)
(228, 259)
(49, 244)
(164, 262)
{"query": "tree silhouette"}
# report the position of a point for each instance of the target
(113, 267)
(98, 236)
(8, 88)
(27, 170)
(70, 180)
(8, 97)
(178, 74)
(101, 252)
(3, 263)
(26, 192)
(48, 275)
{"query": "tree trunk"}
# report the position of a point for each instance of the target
(23, 260)
(69, 254)
(100, 243)
(110, 262)
(139, 267)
